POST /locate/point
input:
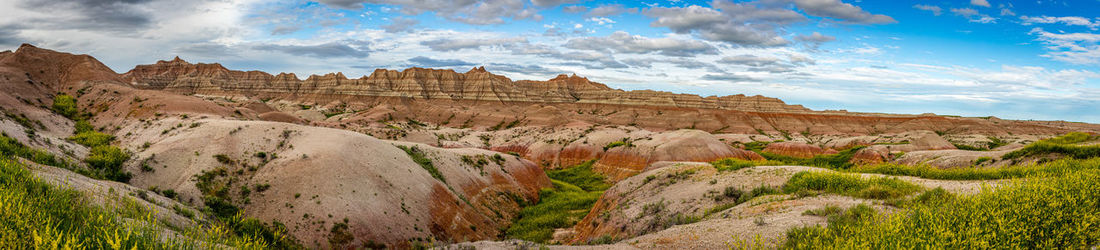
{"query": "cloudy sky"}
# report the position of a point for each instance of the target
(1010, 59)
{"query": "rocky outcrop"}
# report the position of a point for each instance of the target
(427, 84)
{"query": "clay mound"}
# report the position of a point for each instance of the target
(869, 156)
(276, 116)
(681, 145)
(316, 172)
(794, 149)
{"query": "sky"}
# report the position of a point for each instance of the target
(1010, 59)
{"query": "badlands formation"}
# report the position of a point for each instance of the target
(430, 157)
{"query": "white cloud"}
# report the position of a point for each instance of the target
(982, 3)
(936, 10)
(1067, 20)
(1076, 48)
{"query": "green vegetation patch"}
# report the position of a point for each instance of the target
(849, 185)
(575, 191)
(1056, 167)
(108, 160)
(1064, 145)
(65, 105)
(733, 164)
(831, 161)
(1036, 213)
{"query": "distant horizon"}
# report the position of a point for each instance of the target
(1021, 60)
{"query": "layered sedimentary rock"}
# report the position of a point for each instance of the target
(427, 84)
(480, 99)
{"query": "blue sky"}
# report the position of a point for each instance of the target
(1010, 59)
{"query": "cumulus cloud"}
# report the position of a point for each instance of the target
(982, 3)
(421, 61)
(973, 15)
(729, 77)
(767, 63)
(610, 10)
(551, 3)
(936, 10)
(357, 49)
(814, 40)
(523, 69)
(841, 11)
(118, 16)
(755, 23)
(205, 49)
(622, 42)
(756, 28)
(285, 29)
(465, 11)
(470, 43)
(400, 24)
(574, 9)
(750, 60)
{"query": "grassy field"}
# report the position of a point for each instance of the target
(575, 191)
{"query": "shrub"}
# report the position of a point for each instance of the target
(109, 160)
(92, 138)
(65, 105)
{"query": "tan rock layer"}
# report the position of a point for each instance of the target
(430, 84)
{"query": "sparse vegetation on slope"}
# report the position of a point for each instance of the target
(1037, 213)
(575, 191)
(418, 156)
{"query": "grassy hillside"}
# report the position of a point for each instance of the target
(35, 214)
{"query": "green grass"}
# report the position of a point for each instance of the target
(831, 161)
(1040, 212)
(574, 193)
(733, 164)
(1072, 138)
(35, 214)
(1041, 148)
(849, 185)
